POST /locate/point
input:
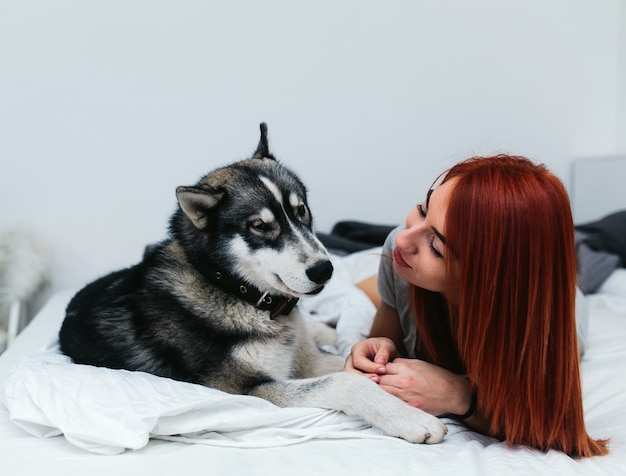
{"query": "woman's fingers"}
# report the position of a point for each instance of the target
(371, 355)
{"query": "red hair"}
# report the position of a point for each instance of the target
(510, 326)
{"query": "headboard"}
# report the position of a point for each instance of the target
(598, 187)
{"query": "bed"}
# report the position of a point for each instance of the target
(61, 418)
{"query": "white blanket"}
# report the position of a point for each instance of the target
(108, 411)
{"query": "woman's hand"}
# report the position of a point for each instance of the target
(426, 386)
(420, 384)
(370, 357)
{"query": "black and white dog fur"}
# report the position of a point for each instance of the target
(212, 303)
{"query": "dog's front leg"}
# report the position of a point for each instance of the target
(358, 396)
(307, 359)
(323, 335)
(324, 364)
(311, 361)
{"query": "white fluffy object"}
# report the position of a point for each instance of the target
(24, 266)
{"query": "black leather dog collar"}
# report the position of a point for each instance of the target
(264, 301)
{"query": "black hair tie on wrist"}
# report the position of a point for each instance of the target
(467, 414)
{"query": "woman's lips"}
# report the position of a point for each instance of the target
(397, 257)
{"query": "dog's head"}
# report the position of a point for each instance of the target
(252, 220)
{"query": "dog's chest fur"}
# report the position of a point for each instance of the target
(275, 356)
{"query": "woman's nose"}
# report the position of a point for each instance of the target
(406, 240)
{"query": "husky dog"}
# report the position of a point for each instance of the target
(214, 304)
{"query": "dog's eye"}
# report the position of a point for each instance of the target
(261, 226)
(301, 210)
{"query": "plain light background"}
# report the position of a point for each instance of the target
(107, 106)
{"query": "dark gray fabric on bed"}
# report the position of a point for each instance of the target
(600, 248)
(594, 267)
(350, 236)
(367, 233)
(607, 234)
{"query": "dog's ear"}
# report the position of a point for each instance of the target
(196, 203)
(263, 149)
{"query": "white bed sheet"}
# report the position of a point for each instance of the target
(350, 447)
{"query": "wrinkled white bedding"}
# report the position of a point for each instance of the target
(112, 412)
(108, 411)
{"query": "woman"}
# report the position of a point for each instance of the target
(487, 331)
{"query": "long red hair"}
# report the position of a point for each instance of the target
(510, 325)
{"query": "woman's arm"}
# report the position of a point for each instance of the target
(387, 324)
(432, 389)
(370, 356)
(441, 391)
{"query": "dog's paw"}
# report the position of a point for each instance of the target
(356, 395)
(323, 334)
(429, 430)
(416, 426)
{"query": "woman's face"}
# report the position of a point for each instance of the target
(420, 252)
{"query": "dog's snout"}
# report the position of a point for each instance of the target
(320, 272)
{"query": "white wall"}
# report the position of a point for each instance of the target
(621, 122)
(105, 107)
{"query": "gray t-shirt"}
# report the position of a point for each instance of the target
(394, 291)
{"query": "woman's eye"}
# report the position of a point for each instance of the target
(421, 211)
(435, 251)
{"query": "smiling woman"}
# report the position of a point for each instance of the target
(488, 334)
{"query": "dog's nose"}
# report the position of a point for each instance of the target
(320, 272)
